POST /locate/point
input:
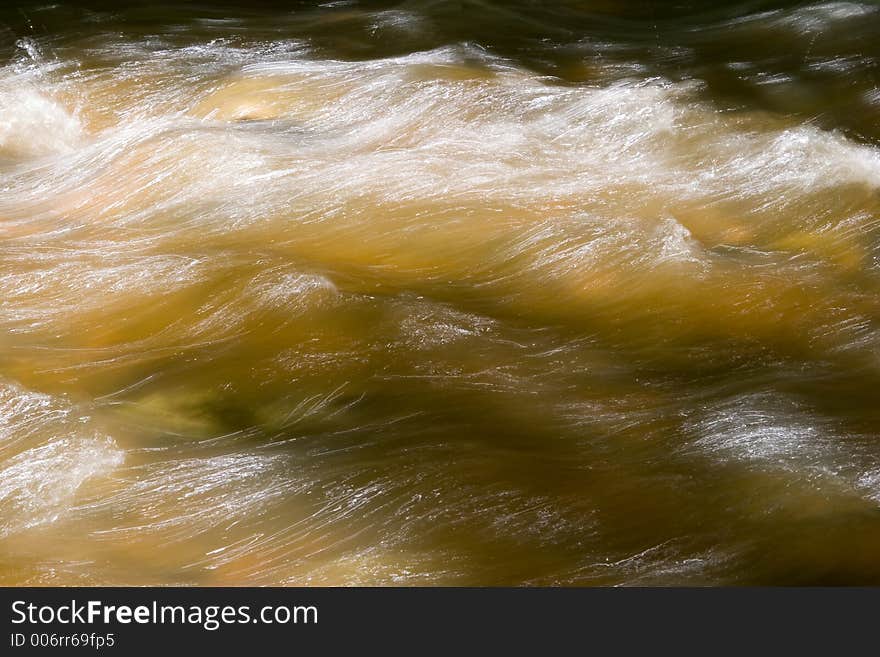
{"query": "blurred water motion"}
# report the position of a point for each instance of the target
(578, 293)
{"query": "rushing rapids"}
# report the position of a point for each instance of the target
(440, 293)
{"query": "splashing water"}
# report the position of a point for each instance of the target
(502, 294)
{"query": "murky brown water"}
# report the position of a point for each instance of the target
(440, 293)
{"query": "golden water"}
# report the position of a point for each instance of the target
(440, 293)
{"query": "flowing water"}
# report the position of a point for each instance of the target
(440, 292)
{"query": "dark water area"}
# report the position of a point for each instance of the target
(816, 61)
(456, 293)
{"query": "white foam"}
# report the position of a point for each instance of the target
(38, 485)
(774, 434)
(24, 413)
(761, 428)
(32, 124)
(291, 290)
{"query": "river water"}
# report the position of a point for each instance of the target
(440, 292)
